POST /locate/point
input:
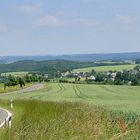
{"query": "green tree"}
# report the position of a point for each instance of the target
(21, 82)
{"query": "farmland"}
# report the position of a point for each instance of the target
(106, 68)
(125, 98)
(74, 111)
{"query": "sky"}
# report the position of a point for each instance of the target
(42, 27)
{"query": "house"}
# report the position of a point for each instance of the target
(93, 78)
(113, 75)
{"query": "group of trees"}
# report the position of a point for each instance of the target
(11, 80)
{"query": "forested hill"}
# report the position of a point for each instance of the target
(49, 66)
(76, 57)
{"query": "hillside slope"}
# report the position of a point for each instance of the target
(49, 66)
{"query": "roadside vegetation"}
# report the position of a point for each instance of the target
(37, 120)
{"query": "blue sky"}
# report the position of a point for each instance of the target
(40, 27)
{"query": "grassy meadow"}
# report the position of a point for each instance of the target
(106, 68)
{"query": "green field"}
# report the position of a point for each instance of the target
(106, 68)
(74, 111)
(17, 74)
(63, 111)
(126, 98)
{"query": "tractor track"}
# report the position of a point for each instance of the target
(85, 96)
(79, 93)
(41, 95)
(61, 88)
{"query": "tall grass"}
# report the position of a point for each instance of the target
(38, 120)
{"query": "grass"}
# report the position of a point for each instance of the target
(121, 98)
(17, 74)
(106, 68)
(74, 111)
(38, 120)
(11, 88)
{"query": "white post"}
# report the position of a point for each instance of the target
(10, 122)
(11, 102)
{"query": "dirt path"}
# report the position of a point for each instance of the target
(28, 89)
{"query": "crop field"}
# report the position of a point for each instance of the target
(125, 98)
(106, 68)
(17, 74)
(74, 111)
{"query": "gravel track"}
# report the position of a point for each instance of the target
(28, 89)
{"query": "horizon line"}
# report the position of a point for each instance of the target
(72, 54)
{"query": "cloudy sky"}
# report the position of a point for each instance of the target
(39, 27)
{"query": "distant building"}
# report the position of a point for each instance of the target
(113, 75)
(46, 76)
(92, 78)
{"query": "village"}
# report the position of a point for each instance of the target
(127, 77)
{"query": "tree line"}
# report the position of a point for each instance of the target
(11, 80)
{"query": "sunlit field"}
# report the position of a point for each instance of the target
(106, 68)
(74, 111)
(126, 98)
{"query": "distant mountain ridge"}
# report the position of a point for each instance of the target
(75, 57)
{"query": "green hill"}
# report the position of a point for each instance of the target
(48, 66)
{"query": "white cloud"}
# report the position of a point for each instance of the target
(29, 9)
(82, 22)
(3, 28)
(55, 21)
(125, 19)
(50, 21)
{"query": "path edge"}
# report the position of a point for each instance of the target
(7, 118)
